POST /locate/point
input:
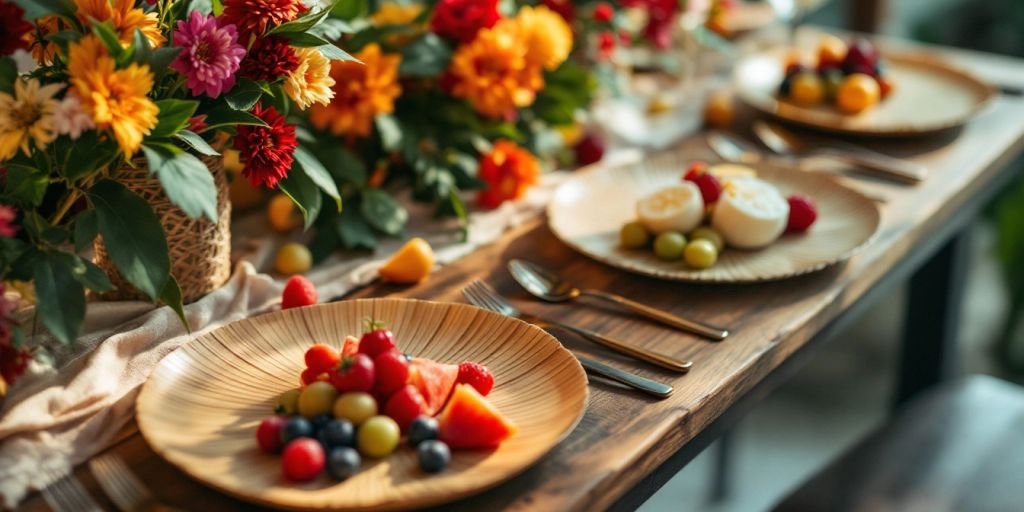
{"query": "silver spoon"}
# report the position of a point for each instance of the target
(550, 287)
(786, 143)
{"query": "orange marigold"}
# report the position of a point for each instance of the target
(509, 171)
(361, 92)
(547, 36)
(492, 71)
(125, 18)
(42, 49)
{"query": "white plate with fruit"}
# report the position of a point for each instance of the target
(313, 409)
(672, 218)
(856, 88)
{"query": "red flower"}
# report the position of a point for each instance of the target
(462, 19)
(606, 44)
(13, 28)
(509, 171)
(269, 59)
(197, 123)
(266, 151)
(603, 12)
(253, 17)
(7, 216)
(564, 8)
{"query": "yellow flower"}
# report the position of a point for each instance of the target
(492, 71)
(27, 116)
(547, 36)
(399, 15)
(311, 81)
(115, 98)
(125, 18)
(361, 92)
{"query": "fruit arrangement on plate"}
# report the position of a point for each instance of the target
(712, 208)
(361, 401)
(849, 76)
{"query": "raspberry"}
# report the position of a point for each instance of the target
(476, 375)
(802, 214)
(710, 187)
(298, 292)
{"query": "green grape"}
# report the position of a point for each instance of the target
(634, 235)
(669, 245)
(710, 235)
(700, 254)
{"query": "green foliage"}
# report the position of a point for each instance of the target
(350, 9)
(383, 212)
(196, 142)
(225, 116)
(185, 179)
(86, 229)
(38, 8)
(133, 236)
(304, 192)
(173, 117)
(85, 155)
(306, 163)
(567, 89)
(244, 95)
(8, 74)
(25, 186)
(171, 296)
(59, 295)
(427, 56)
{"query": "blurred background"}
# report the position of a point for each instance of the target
(845, 393)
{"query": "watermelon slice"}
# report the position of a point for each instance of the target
(470, 421)
(434, 381)
(349, 347)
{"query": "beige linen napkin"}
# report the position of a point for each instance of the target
(53, 420)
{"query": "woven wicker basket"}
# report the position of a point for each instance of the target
(200, 250)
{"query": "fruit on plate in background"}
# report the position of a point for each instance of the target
(293, 258)
(590, 149)
(412, 263)
(720, 110)
(298, 292)
(743, 211)
(470, 421)
(850, 77)
(678, 207)
(360, 400)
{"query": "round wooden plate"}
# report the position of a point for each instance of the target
(200, 408)
(588, 210)
(928, 96)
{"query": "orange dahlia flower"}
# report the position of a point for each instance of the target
(492, 71)
(509, 171)
(125, 18)
(361, 92)
(547, 36)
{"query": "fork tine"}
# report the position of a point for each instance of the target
(488, 295)
(123, 488)
(67, 494)
(475, 293)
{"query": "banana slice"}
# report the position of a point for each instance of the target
(750, 214)
(677, 207)
(723, 171)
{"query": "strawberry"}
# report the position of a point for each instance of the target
(404, 406)
(298, 292)
(322, 358)
(476, 375)
(802, 214)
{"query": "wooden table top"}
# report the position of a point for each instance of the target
(624, 435)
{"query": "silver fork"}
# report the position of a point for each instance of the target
(66, 494)
(480, 295)
(121, 485)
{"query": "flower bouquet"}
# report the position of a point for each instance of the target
(100, 97)
(451, 96)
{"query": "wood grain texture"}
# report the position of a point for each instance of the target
(624, 436)
(588, 210)
(201, 407)
(929, 96)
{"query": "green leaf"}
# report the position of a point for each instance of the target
(332, 52)
(389, 130)
(304, 23)
(140, 48)
(86, 229)
(185, 179)
(133, 236)
(171, 296)
(173, 116)
(344, 165)
(304, 39)
(218, 7)
(8, 74)
(218, 117)
(244, 95)
(316, 172)
(38, 8)
(105, 31)
(60, 297)
(332, 29)
(25, 186)
(304, 193)
(382, 211)
(459, 208)
(160, 60)
(428, 56)
(88, 154)
(196, 142)
(91, 276)
(354, 232)
(350, 9)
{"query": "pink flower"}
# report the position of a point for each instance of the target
(69, 118)
(209, 56)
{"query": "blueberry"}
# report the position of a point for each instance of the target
(336, 434)
(434, 455)
(320, 421)
(423, 428)
(295, 428)
(343, 462)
